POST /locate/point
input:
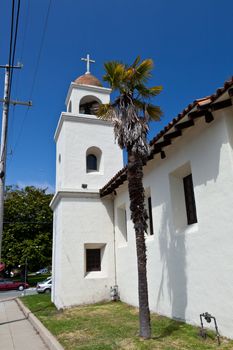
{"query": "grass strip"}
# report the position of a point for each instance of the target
(107, 326)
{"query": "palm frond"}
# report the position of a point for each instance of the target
(128, 76)
(115, 73)
(155, 90)
(104, 111)
(150, 111)
(148, 92)
(143, 71)
(154, 112)
(140, 105)
(136, 61)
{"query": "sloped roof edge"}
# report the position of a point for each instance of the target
(201, 105)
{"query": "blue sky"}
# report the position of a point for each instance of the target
(189, 41)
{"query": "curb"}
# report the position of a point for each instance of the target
(7, 299)
(51, 342)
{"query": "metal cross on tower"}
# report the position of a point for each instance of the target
(88, 60)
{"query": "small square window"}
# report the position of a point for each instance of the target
(93, 260)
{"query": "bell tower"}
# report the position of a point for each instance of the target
(87, 156)
(86, 159)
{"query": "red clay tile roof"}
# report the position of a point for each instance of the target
(200, 104)
(88, 79)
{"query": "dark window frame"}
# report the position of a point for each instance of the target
(92, 162)
(150, 216)
(190, 200)
(93, 259)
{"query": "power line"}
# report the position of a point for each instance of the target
(25, 28)
(10, 72)
(40, 49)
(11, 63)
(35, 73)
(5, 113)
(12, 29)
(14, 47)
(13, 38)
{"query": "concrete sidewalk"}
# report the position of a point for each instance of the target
(16, 332)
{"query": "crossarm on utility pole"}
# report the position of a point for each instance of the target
(15, 102)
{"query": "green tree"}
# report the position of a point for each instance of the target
(130, 114)
(27, 230)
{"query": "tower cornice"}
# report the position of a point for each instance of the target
(81, 118)
(73, 193)
(87, 88)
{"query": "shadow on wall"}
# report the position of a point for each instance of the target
(173, 257)
(207, 167)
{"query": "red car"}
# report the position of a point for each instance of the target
(8, 285)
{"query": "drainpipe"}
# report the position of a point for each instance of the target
(114, 293)
(114, 238)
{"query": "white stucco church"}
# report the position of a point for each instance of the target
(189, 195)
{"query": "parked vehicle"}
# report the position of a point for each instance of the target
(42, 271)
(44, 286)
(15, 272)
(9, 285)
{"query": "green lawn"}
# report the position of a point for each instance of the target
(109, 326)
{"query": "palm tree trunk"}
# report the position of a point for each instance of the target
(139, 217)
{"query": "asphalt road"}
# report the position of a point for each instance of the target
(17, 293)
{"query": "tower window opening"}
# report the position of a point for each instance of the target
(89, 108)
(94, 161)
(89, 105)
(91, 162)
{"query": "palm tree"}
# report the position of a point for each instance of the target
(130, 114)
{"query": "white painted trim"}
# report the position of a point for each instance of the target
(72, 193)
(81, 118)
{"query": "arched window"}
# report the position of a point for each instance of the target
(94, 161)
(91, 162)
(89, 105)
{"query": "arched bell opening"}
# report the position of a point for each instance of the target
(89, 105)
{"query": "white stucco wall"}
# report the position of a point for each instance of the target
(77, 134)
(59, 160)
(189, 266)
(82, 219)
(57, 241)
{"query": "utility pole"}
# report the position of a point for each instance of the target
(3, 149)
